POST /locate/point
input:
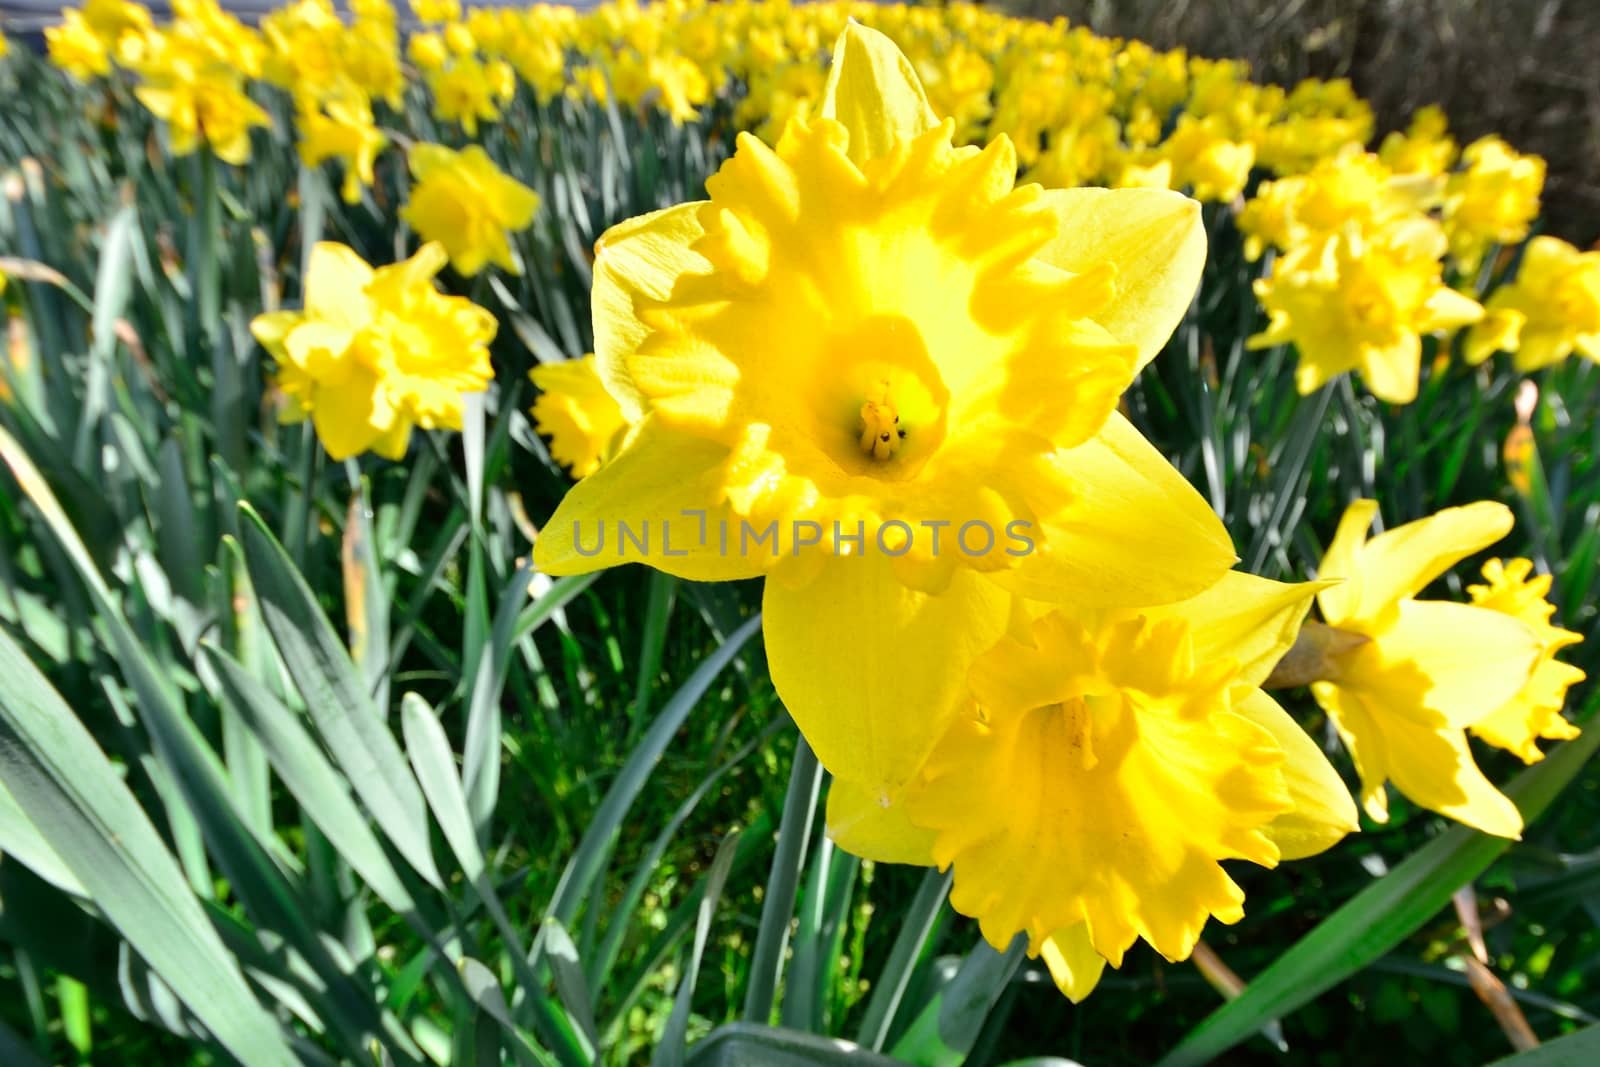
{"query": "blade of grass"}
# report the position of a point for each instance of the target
(783, 882)
(671, 1049)
(339, 705)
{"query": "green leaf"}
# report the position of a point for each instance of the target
(22, 842)
(920, 921)
(949, 1025)
(343, 712)
(783, 882)
(320, 790)
(1580, 1049)
(742, 1044)
(1380, 916)
(670, 1050)
(61, 779)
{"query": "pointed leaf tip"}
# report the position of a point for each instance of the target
(874, 91)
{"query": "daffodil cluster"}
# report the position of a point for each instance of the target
(874, 350)
(1377, 251)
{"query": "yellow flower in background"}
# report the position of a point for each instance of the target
(1554, 303)
(428, 51)
(869, 326)
(1424, 148)
(376, 353)
(436, 10)
(1351, 188)
(342, 128)
(464, 202)
(1404, 698)
(193, 76)
(465, 91)
(121, 26)
(582, 420)
(74, 47)
(1204, 159)
(1493, 199)
(1103, 767)
(1500, 330)
(1359, 302)
(1512, 588)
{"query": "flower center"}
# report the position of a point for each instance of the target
(881, 433)
(878, 400)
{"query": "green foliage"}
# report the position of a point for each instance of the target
(302, 762)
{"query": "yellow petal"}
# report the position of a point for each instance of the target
(1156, 241)
(638, 260)
(1074, 964)
(1401, 562)
(656, 476)
(1429, 762)
(336, 281)
(1342, 562)
(865, 823)
(1252, 621)
(871, 671)
(1323, 810)
(1393, 372)
(350, 416)
(1134, 532)
(873, 90)
(1470, 660)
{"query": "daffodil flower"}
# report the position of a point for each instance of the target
(1361, 301)
(873, 333)
(1403, 698)
(376, 353)
(1552, 309)
(466, 203)
(1103, 766)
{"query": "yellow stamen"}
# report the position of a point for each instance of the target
(880, 428)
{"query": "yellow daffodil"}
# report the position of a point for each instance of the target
(377, 352)
(871, 328)
(1493, 199)
(465, 91)
(1354, 302)
(1352, 188)
(342, 128)
(1102, 768)
(1424, 148)
(1204, 159)
(1512, 588)
(464, 202)
(1403, 698)
(1554, 305)
(74, 47)
(582, 420)
(428, 51)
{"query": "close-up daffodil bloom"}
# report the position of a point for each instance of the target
(1427, 670)
(869, 329)
(1101, 767)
